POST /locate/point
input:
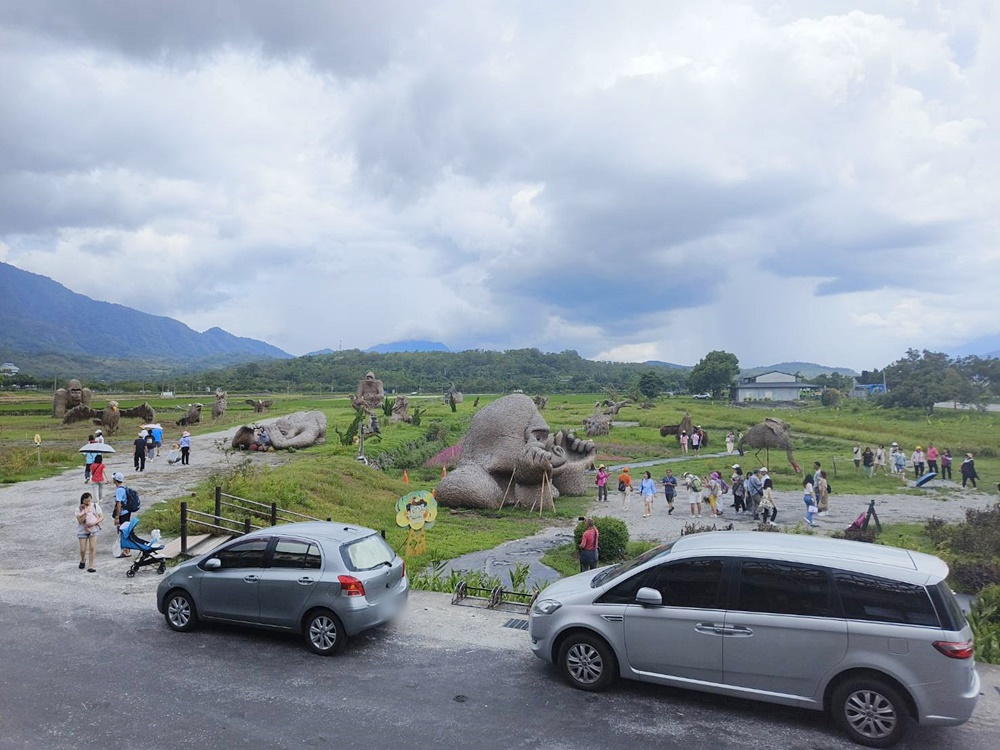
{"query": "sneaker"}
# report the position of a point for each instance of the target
(821, 513)
(671, 510)
(82, 566)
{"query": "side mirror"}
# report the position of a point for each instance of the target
(213, 564)
(648, 597)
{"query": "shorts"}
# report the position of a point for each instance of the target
(87, 534)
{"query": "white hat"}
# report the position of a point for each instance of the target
(763, 470)
(143, 433)
(735, 466)
(118, 476)
(98, 432)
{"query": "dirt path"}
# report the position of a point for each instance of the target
(38, 545)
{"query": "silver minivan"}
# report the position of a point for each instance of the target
(871, 634)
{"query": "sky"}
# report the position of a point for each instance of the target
(788, 180)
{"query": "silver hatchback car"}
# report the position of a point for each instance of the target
(871, 634)
(327, 581)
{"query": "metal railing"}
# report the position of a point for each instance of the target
(216, 521)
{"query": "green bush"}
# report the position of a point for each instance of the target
(613, 535)
(985, 621)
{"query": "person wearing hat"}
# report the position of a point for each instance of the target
(185, 444)
(602, 484)
(917, 458)
(754, 492)
(969, 471)
(121, 513)
(625, 487)
(139, 451)
(693, 486)
(98, 436)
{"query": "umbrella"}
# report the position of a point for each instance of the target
(96, 448)
(925, 478)
(152, 425)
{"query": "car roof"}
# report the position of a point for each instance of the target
(318, 530)
(864, 557)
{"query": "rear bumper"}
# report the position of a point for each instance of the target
(950, 707)
(360, 614)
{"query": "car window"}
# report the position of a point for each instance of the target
(685, 583)
(621, 569)
(866, 597)
(293, 553)
(781, 588)
(952, 616)
(248, 554)
(367, 553)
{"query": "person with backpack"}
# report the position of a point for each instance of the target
(739, 489)
(625, 487)
(126, 503)
(754, 493)
(715, 491)
(693, 486)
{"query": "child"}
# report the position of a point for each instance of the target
(809, 498)
(89, 527)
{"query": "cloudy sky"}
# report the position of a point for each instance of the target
(785, 180)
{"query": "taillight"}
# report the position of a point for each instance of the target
(351, 586)
(955, 649)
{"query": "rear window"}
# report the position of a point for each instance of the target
(866, 597)
(952, 616)
(367, 553)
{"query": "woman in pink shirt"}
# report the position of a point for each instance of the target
(932, 457)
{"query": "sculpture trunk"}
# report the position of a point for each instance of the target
(791, 460)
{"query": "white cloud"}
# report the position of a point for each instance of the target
(646, 181)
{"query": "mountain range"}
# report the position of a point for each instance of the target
(45, 326)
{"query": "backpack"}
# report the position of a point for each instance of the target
(131, 500)
(696, 484)
(725, 487)
(621, 485)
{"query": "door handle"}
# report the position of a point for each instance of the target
(251, 578)
(708, 628)
(305, 580)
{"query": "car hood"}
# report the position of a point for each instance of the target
(564, 587)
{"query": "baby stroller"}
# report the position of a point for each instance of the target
(148, 550)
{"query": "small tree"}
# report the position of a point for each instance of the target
(650, 384)
(831, 397)
(714, 374)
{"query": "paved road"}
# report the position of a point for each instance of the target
(80, 673)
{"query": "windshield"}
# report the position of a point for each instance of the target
(615, 571)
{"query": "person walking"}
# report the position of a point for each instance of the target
(730, 442)
(868, 459)
(669, 482)
(589, 546)
(647, 488)
(946, 464)
(822, 489)
(88, 460)
(754, 492)
(139, 452)
(121, 513)
(696, 441)
(968, 470)
(899, 462)
(602, 484)
(693, 486)
(880, 459)
(625, 487)
(157, 433)
(88, 527)
(917, 459)
(97, 476)
(150, 445)
(739, 490)
(809, 498)
(932, 458)
(185, 444)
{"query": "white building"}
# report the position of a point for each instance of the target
(768, 386)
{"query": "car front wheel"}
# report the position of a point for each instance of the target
(870, 711)
(587, 662)
(180, 612)
(324, 633)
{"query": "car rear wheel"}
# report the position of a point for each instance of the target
(870, 711)
(180, 612)
(324, 633)
(587, 662)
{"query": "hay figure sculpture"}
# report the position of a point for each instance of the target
(70, 397)
(597, 423)
(259, 406)
(193, 415)
(299, 430)
(110, 416)
(221, 403)
(771, 433)
(400, 410)
(453, 395)
(509, 455)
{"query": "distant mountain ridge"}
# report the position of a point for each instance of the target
(409, 345)
(40, 318)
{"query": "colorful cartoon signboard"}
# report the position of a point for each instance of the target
(418, 511)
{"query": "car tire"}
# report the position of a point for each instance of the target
(870, 711)
(587, 662)
(324, 632)
(179, 611)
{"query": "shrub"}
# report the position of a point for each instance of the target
(861, 535)
(700, 528)
(985, 621)
(974, 575)
(613, 535)
(831, 397)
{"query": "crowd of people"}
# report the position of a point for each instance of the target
(922, 462)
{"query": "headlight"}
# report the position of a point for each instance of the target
(545, 606)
